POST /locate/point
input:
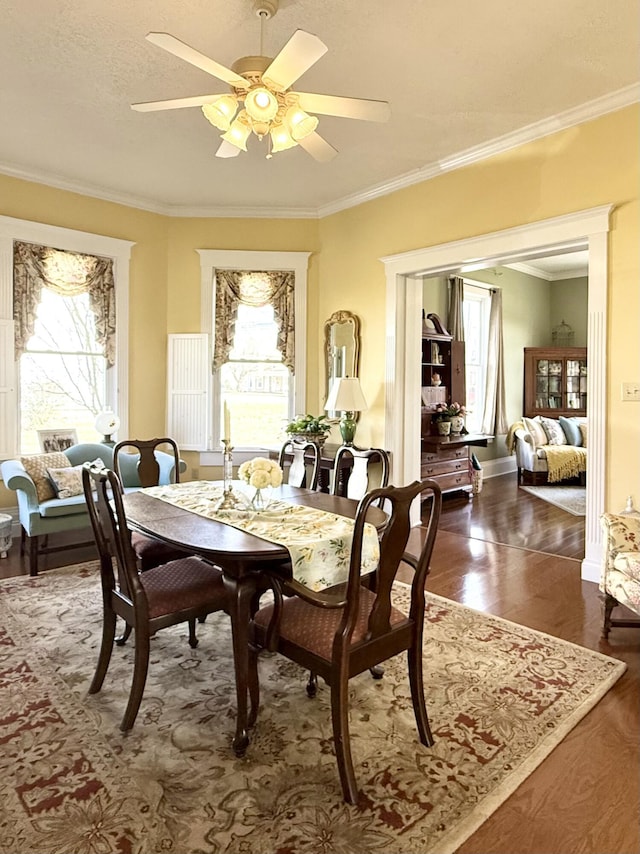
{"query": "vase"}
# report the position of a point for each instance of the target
(444, 427)
(457, 424)
(261, 498)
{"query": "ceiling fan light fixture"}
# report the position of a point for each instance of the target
(221, 111)
(238, 134)
(300, 123)
(261, 104)
(281, 139)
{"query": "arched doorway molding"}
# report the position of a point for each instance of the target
(587, 229)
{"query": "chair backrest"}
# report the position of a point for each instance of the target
(103, 494)
(303, 454)
(358, 481)
(145, 461)
(393, 545)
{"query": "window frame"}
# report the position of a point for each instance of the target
(232, 259)
(480, 292)
(70, 240)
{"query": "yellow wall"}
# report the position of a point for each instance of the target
(594, 164)
(148, 279)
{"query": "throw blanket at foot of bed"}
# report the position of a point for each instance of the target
(564, 461)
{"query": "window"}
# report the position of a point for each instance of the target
(14, 373)
(476, 307)
(265, 383)
(254, 383)
(63, 371)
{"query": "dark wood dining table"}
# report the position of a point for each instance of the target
(245, 560)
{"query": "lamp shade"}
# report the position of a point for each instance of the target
(221, 111)
(346, 396)
(301, 124)
(261, 104)
(107, 422)
(238, 133)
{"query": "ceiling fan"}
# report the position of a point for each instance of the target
(261, 100)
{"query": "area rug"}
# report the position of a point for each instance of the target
(573, 499)
(500, 698)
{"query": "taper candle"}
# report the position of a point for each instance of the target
(227, 423)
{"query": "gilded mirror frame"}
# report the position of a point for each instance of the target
(341, 349)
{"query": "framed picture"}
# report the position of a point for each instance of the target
(57, 440)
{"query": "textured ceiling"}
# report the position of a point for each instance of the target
(457, 73)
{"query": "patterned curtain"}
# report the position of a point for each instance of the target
(256, 289)
(494, 418)
(456, 295)
(66, 274)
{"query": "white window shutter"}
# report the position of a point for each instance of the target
(8, 419)
(187, 392)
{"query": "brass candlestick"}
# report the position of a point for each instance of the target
(229, 500)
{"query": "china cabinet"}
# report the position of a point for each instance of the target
(555, 381)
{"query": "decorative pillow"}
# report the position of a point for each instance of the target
(67, 481)
(571, 430)
(37, 466)
(554, 431)
(583, 431)
(535, 428)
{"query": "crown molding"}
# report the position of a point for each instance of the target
(577, 115)
(532, 270)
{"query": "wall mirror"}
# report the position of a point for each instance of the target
(341, 349)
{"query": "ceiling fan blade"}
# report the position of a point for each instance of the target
(318, 147)
(194, 57)
(300, 53)
(227, 149)
(175, 103)
(348, 108)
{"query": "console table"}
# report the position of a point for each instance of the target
(327, 463)
(447, 459)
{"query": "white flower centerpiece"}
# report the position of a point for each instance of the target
(261, 474)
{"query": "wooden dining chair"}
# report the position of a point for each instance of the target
(303, 454)
(175, 592)
(153, 467)
(358, 480)
(340, 634)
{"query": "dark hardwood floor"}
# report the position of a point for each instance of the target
(503, 513)
(511, 554)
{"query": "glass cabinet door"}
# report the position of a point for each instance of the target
(549, 383)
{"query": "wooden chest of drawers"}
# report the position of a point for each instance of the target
(447, 459)
(448, 466)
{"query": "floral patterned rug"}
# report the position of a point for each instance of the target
(500, 698)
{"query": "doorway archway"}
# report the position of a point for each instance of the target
(586, 229)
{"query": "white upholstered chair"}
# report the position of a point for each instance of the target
(620, 578)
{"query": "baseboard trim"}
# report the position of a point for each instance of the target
(501, 465)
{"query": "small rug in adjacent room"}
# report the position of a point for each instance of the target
(573, 499)
(500, 698)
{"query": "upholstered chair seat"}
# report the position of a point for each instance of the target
(620, 577)
(313, 629)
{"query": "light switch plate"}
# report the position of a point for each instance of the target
(631, 391)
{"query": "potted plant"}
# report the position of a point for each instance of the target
(453, 412)
(309, 428)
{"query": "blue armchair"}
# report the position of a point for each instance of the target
(39, 518)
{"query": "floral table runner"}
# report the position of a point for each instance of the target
(319, 542)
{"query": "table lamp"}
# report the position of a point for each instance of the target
(346, 396)
(107, 423)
